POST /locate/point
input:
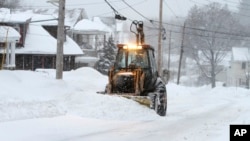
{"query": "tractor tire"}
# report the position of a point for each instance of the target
(160, 100)
(161, 104)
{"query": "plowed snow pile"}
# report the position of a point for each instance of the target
(36, 106)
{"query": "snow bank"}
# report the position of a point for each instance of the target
(70, 109)
(28, 94)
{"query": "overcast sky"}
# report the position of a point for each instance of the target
(148, 8)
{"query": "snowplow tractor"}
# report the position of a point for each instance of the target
(135, 76)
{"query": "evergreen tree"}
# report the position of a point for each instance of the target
(107, 57)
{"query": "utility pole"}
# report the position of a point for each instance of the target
(181, 54)
(169, 49)
(60, 40)
(159, 40)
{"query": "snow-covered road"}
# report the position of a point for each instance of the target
(70, 110)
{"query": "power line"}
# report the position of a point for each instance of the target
(196, 2)
(219, 32)
(117, 14)
(207, 36)
(202, 4)
(79, 4)
(231, 1)
(136, 11)
(172, 11)
(245, 4)
(177, 2)
(193, 28)
(212, 31)
(231, 5)
(122, 8)
(150, 20)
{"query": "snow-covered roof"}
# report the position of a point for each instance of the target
(241, 53)
(14, 18)
(41, 19)
(71, 15)
(9, 34)
(4, 10)
(102, 24)
(39, 41)
(89, 27)
(24, 16)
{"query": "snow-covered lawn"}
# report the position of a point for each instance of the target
(35, 106)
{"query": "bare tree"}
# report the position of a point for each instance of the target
(208, 37)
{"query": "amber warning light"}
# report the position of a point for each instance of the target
(132, 47)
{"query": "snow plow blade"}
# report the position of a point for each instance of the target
(143, 100)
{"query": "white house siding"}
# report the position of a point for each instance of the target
(237, 76)
(9, 36)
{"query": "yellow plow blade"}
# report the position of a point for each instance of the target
(144, 100)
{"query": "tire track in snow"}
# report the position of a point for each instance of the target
(191, 124)
(174, 128)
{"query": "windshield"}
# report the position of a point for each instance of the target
(126, 58)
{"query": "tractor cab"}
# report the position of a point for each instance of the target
(133, 56)
(134, 62)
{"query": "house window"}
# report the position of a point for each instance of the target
(2, 45)
(53, 31)
(243, 65)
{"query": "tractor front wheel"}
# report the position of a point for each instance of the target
(160, 98)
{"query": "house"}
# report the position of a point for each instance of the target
(88, 33)
(72, 16)
(9, 37)
(17, 21)
(13, 35)
(40, 51)
(37, 45)
(203, 67)
(90, 36)
(239, 71)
